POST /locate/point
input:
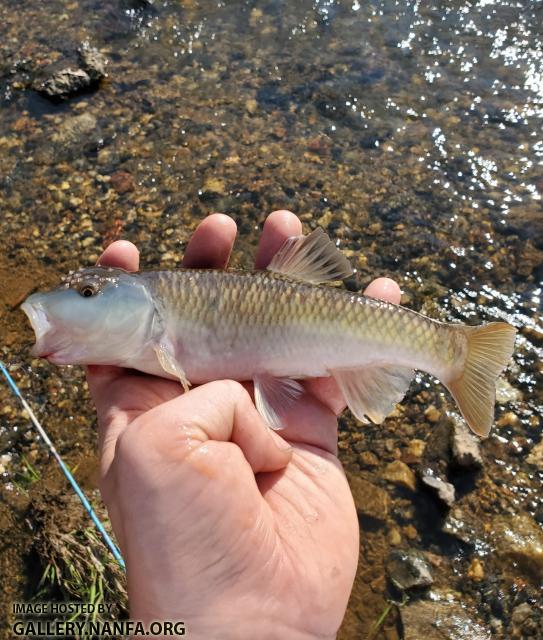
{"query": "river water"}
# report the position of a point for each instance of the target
(410, 131)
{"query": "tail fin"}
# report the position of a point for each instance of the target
(489, 350)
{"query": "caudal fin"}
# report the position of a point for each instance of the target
(489, 350)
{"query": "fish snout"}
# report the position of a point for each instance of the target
(35, 311)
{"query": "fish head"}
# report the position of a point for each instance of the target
(98, 315)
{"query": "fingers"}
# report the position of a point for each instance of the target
(279, 226)
(125, 255)
(384, 289)
(217, 411)
(122, 254)
(211, 244)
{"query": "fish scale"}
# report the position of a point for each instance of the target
(251, 311)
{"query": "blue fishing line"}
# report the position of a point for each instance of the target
(107, 539)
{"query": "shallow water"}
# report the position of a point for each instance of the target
(411, 131)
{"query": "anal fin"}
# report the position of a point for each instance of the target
(274, 396)
(372, 392)
(166, 358)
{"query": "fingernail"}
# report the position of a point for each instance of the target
(280, 442)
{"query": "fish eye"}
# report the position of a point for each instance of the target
(87, 291)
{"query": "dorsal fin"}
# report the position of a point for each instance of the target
(313, 258)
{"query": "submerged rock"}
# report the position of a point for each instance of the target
(536, 456)
(409, 570)
(441, 620)
(519, 539)
(526, 621)
(92, 61)
(65, 82)
(444, 490)
(401, 475)
(465, 446)
(371, 501)
(459, 525)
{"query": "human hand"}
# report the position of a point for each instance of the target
(223, 523)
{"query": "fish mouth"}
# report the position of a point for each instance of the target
(51, 344)
(41, 325)
(47, 345)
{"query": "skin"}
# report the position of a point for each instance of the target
(216, 514)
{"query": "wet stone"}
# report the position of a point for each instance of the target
(409, 570)
(526, 621)
(74, 136)
(506, 392)
(92, 61)
(459, 525)
(371, 501)
(444, 490)
(476, 570)
(536, 456)
(519, 539)
(465, 447)
(440, 621)
(64, 83)
(401, 475)
(122, 182)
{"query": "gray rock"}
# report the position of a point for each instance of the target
(92, 61)
(519, 539)
(64, 83)
(71, 138)
(444, 490)
(445, 620)
(526, 621)
(465, 446)
(409, 570)
(460, 525)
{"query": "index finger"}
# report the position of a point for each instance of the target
(124, 255)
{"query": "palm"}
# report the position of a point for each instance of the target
(291, 532)
(200, 495)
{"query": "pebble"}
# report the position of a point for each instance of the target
(251, 106)
(476, 570)
(371, 501)
(519, 539)
(459, 525)
(394, 537)
(212, 187)
(122, 182)
(416, 448)
(508, 419)
(409, 570)
(400, 474)
(368, 459)
(440, 620)
(444, 490)
(465, 446)
(505, 392)
(535, 456)
(432, 414)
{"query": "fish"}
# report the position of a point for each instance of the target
(276, 327)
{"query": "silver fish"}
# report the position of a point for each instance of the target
(275, 327)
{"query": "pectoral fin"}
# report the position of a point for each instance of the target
(168, 362)
(274, 396)
(313, 258)
(372, 392)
